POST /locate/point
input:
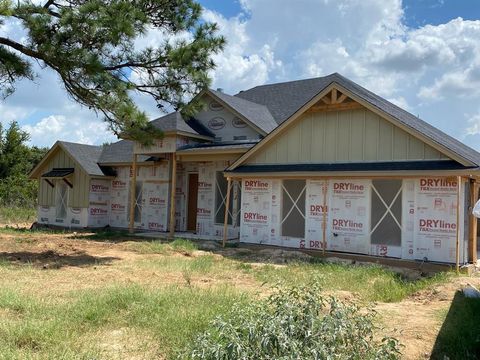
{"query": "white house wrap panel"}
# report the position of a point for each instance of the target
(349, 216)
(99, 203)
(426, 219)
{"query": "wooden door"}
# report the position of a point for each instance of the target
(192, 202)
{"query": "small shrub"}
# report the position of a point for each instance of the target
(294, 323)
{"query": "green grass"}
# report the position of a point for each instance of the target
(370, 282)
(13, 214)
(35, 328)
(163, 247)
(459, 337)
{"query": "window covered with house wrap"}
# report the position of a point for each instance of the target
(61, 199)
(138, 201)
(221, 186)
(293, 208)
(386, 212)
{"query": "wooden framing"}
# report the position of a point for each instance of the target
(227, 206)
(457, 243)
(70, 185)
(49, 183)
(133, 200)
(335, 107)
(324, 217)
(172, 196)
(472, 224)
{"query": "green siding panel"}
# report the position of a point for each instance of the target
(343, 136)
(78, 194)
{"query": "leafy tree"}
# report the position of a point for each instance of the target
(16, 160)
(92, 45)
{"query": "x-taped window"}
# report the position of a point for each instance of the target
(221, 186)
(293, 208)
(61, 199)
(386, 212)
(138, 201)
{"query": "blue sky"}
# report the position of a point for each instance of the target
(417, 12)
(423, 55)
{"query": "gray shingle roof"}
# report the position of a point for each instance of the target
(119, 152)
(86, 155)
(284, 99)
(175, 122)
(256, 113)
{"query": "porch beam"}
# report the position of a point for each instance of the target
(133, 195)
(172, 196)
(227, 206)
(472, 239)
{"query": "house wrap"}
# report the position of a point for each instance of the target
(318, 164)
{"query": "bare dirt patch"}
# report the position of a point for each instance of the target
(416, 321)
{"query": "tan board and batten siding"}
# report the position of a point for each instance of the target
(78, 196)
(343, 136)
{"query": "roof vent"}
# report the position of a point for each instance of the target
(220, 90)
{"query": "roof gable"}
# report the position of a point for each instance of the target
(85, 156)
(399, 117)
(351, 133)
(255, 115)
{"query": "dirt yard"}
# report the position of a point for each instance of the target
(53, 266)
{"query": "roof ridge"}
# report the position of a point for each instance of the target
(75, 143)
(290, 82)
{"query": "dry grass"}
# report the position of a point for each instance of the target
(115, 297)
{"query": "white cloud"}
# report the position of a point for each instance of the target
(60, 127)
(473, 125)
(432, 71)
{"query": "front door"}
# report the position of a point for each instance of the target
(192, 202)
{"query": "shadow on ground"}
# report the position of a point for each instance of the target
(52, 259)
(459, 337)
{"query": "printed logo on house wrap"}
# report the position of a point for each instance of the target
(216, 123)
(238, 123)
(256, 185)
(316, 210)
(45, 208)
(214, 106)
(347, 225)
(98, 211)
(155, 226)
(156, 201)
(203, 212)
(119, 184)
(437, 226)
(99, 188)
(203, 185)
(348, 188)
(255, 218)
(76, 210)
(428, 184)
(117, 208)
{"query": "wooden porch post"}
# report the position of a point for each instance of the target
(472, 239)
(457, 245)
(227, 206)
(133, 195)
(324, 217)
(172, 196)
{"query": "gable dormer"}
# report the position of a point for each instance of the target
(233, 119)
